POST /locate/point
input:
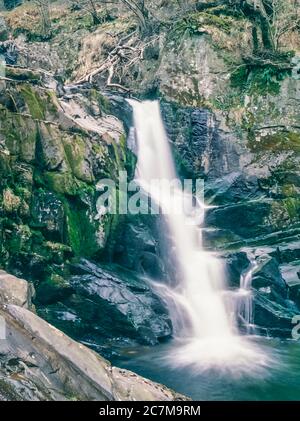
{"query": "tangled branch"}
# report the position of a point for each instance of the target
(129, 51)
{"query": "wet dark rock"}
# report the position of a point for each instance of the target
(138, 249)
(232, 188)
(121, 109)
(291, 274)
(268, 275)
(136, 309)
(9, 51)
(236, 264)
(288, 252)
(11, 4)
(107, 304)
(53, 289)
(247, 220)
(275, 318)
(217, 238)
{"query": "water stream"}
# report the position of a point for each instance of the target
(245, 302)
(205, 322)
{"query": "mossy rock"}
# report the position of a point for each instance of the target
(50, 151)
(260, 80)
(76, 153)
(81, 228)
(53, 289)
(34, 102)
(19, 240)
(102, 101)
(276, 142)
(5, 162)
(22, 74)
(63, 183)
(284, 213)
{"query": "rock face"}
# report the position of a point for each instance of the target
(52, 153)
(15, 291)
(39, 362)
(104, 308)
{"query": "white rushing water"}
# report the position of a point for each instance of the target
(245, 301)
(204, 323)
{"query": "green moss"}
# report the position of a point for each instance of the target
(285, 212)
(258, 80)
(103, 102)
(277, 142)
(221, 22)
(63, 183)
(292, 206)
(75, 150)
(19, 240)
(52, 102)
(289, 190)
(5, 161)
(80, 229)
(194, 24)
(22, 74)
(72, 22)
(35, 104)
(239, 77)
(119, 154)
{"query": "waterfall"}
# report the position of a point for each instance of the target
(245, 297)
(204, 327)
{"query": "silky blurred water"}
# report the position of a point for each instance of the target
(278, 379)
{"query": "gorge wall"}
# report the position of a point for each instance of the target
(232, 117)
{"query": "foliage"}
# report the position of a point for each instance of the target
(92, 8)
(137, 7)
(194, 24)
(260, 80)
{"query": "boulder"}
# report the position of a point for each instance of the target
(246, 220)
(273, 318)
(15, 291)
(232, 188)
(291, 274)
(48, 367)
(268, 275)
